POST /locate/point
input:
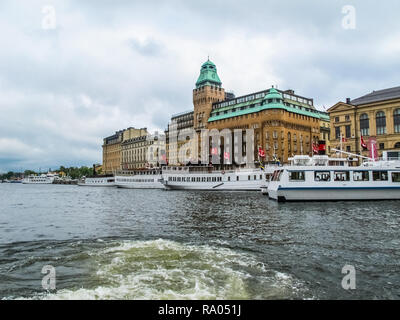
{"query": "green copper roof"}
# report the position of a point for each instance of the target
(208, 75)
(273, 94)
(257, 105)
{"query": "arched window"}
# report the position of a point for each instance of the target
(396, 120)
(364, 124)
(397, 145)
(380, 123)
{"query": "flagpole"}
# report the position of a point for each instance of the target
(341, 144)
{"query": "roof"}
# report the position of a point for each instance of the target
(260, 104)
(380, 95)
(208, 75)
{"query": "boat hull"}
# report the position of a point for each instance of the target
(335, 194)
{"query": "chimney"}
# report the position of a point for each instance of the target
(348, 100)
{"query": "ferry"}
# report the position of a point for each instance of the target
(97, 181)
(212, 179)
(140, 179)
(39, 179)
(322, 178)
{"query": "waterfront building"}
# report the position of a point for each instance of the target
(373, 116)
(142, 151)
(112, 152)
(179, 133)
(284, 123)
(112, 148)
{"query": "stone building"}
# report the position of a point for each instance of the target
(142, 151)
(284, 123)
(179, 133)
(112, 148)
(375, 115)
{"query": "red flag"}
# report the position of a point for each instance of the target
(226, 155)
(214, 151)
(315, 148)
(363, 144)
(344, 139)
(261, 152)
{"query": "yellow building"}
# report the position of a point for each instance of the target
(112, 148)
(375, 115)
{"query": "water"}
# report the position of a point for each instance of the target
(109, 243)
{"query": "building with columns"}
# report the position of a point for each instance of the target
(375, 115)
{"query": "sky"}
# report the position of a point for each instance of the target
(73, 72)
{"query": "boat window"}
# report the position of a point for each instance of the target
(198, 179)
(380, 175)
(193, 179)
(361, 176)
(322, 176)
(296, 176)
(213, 179)
(260, 176)
(237, 178)
(249, 177)
(203, 179)
(255, 177)
(208, 179)
(395, 176)
(229, 178)
(341, 175)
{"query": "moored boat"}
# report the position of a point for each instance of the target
(140, 179)
(39, 179)
(97, 181)
(318, 179)
(212, 179)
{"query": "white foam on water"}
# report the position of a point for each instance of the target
(163, 269)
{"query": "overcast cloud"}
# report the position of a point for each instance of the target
(109, 65)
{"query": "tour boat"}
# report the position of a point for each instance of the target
(209, 178)
(139, 179)
(40, 179)
(321, 178)
(97, 181)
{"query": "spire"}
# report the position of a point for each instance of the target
(208, 75)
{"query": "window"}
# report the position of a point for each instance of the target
(360, 176)
(380, 175)
(364, 124)
(397, 145)
(337, 132)
(395, 176)
(277, 175)
(341, 175)
(347, 118)
(322, 176)
(380, 123)
(348, 148)
(336, 119)
(348, 131)
(381, 146)
(396, 119)
(296, 176)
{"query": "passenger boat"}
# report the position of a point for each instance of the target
(97, 181)
(39, 179)
(322, 178)
(212, 179)
(140, 179)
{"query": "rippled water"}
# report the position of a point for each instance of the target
(108, 243)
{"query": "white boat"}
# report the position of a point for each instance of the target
(97, 181)
(140, 179)
(209, 178)
(322, 178)
(40, 179)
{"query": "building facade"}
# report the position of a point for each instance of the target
(284, 123)
(372, 116)
(178, 134)
(112, 148)
(142, 151)
(112, 152)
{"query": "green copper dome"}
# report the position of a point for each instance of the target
(208, 75)
(273, 94)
